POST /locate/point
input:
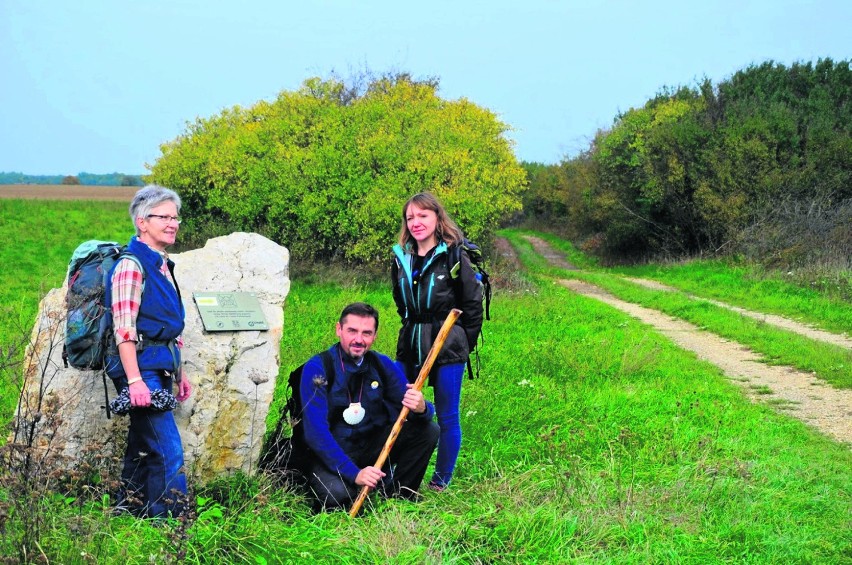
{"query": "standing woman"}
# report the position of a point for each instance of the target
(148, 318)
(425, 288)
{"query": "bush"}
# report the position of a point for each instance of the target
(759, 164)
(325, 170)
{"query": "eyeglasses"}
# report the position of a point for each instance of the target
(166, 219)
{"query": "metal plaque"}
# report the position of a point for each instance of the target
(230, 311)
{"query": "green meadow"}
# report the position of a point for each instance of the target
(588, 437)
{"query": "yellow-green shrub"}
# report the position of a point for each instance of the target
(325, 170)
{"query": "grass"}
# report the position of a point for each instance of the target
(588, 438)
(780, 347)
(37, 239)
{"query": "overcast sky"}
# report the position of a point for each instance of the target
(98, 85)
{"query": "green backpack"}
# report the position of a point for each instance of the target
(88, 321)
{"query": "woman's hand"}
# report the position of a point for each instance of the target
(184, 388)
(140, 395)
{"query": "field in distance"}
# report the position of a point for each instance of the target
(67, 192)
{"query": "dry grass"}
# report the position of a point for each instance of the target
(67, 192)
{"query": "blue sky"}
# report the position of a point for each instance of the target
(98, 85)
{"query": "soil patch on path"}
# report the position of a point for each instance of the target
(507, 253)
(67, 192)
(772, 319)
(554, 257)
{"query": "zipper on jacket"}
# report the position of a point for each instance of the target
(404, 297)
(429, 292)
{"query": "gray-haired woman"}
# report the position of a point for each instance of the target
(147, 327)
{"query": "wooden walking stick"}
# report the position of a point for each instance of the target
(418, 384)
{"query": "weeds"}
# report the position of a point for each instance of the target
(34, 468)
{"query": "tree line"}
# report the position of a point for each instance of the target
(87, 179)
(759, 164)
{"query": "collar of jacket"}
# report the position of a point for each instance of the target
(406, 256)
(148, 254)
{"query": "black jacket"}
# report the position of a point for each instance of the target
(423, 301)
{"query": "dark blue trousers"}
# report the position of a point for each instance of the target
(153, 483)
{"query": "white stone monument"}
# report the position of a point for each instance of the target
(233, 373)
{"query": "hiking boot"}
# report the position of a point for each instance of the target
(437, 487)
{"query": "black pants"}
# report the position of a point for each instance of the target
(405, 466)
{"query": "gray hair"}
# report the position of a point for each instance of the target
(148, 198)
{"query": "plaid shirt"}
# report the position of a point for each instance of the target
(127, 297)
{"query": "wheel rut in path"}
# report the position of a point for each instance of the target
(771, 319)
(799, 394)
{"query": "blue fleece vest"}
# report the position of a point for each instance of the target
(161, 315)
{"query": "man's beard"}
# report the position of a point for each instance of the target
(356, 358)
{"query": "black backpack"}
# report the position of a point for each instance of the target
(477, 262)
(289, 455)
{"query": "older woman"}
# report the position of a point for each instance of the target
(148, 318)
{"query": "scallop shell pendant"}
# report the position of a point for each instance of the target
(354, 414)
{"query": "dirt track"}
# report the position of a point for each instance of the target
(771, 319)
(799, 394)
(67, 192)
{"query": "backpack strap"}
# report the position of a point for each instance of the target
(454, 262)
(327, 360)
(374, 360)
(126, 254)
(454, 266)
(109, 337)
(328, 366)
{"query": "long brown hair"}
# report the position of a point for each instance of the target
(446, 229)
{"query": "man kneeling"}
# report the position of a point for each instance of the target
(348, 415)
